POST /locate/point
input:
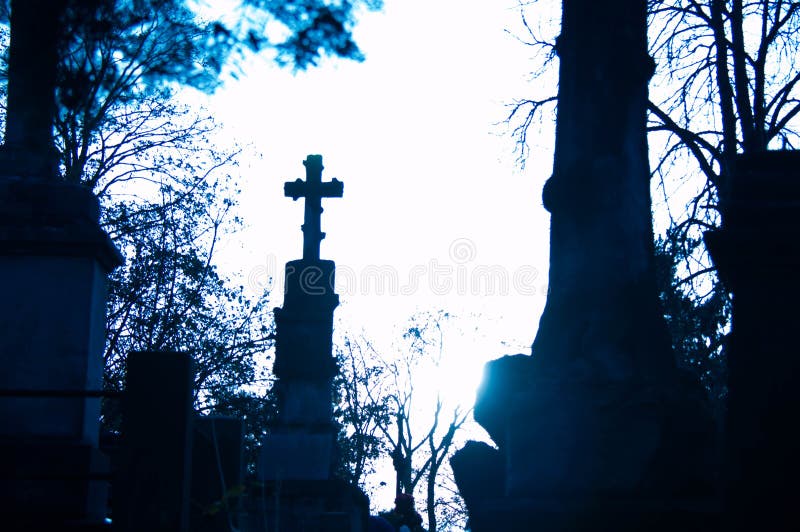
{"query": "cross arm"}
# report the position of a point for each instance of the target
(298, 189)
(332, 189)
(294, 189)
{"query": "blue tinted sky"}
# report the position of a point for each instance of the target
(435, 213)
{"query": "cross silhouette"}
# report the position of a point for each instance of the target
(313, 190)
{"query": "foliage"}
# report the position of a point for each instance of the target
(116, 48)
(731, 72)
(256, 411)
(360, 410)
(698, 326)
(167, 204)
(308, 29)
(153, 164)
(175, 43)
(169, 296)
(729, 86)
(416, 428)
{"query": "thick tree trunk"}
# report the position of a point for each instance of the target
(592, 429)
(602, 315)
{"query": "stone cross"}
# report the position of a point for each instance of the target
(313, 189)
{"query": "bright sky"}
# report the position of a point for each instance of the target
(434, 207)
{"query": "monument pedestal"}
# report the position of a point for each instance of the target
(331, 505)
(592, 514)
(757, 254)
(54, 259)
(583, 455)
(64, 485)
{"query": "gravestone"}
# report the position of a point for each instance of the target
(298, 455)
(598, 429)
(757, 255)
(152, 491)
(54, 259)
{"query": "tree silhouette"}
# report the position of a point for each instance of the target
(725, 83)
(166, 188)
(360, 409)
(417, 432)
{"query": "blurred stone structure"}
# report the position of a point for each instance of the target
(54, 259)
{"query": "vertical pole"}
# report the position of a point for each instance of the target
(312, 230)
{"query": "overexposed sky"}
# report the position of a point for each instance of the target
(435, 214)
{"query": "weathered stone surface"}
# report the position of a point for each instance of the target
(28, 149)
(502, 378)
(480, 474)
(297, 456)
(304, 344)
(54, 259)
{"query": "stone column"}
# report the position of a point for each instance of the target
(298, 456)
(758, 256)
(54, 259)
(301, 445)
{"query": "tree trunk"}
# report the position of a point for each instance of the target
(602, 316)
(726, 96)
(741, 80)
(430, 495)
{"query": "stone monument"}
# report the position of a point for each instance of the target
(757, 255)
(597, 430)
(298, 455)
(54, 258)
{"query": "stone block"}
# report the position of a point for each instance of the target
(52, 331)
(154, 486)
(311, 506)
(297, 456)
